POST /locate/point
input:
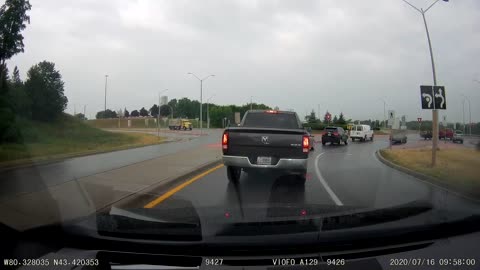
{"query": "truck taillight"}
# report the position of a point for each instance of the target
(225, 141)
(306, 144)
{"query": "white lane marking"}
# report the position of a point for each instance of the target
(324, 183)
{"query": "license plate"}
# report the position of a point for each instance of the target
(329, 134)
(264, 160)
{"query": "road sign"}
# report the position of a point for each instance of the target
(391, 114)
(426, 96)
(419, 119)
(440, 97)
(433, 97)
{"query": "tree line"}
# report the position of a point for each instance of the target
(186, 108)
(41, 96)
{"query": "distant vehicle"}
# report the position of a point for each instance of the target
(334, 135)
(180, 124)
(398, 136)
(445, 133)
(266, 140)
(426, 134)
(361, 132)
(457, 136)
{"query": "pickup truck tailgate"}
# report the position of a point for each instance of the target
(274, 143)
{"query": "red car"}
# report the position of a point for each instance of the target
(445, 133)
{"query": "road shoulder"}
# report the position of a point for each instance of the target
(428, 179)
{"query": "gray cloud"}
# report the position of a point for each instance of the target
(341, 55)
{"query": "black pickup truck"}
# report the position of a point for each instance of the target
(266, 140)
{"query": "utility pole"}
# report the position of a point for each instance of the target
(105, 104)
(208, 111)
(463, 106)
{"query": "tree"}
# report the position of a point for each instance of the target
(126, 113)
(335, 119)
(80, 116)
(13, 20)
(135, 113)
(312, 118)
(143, 112)
(165, 110)
(154, 110)
(44, 86)
(106, 114)
(341, 119)
(16, 81)
(19, 100)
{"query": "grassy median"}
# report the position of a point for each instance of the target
(66, 137)
(458, 169)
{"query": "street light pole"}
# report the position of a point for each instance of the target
(201, 96)
(158, 114)
(105, 104)
(208, 111)
(463, 106)
(434, 111)
(470, 115)
(384, 113)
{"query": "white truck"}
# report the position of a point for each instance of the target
(361, 132)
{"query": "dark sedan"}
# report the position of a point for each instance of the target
(334, 135)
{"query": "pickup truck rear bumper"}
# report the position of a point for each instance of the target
(282, 164)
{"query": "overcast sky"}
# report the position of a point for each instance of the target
(341, 55)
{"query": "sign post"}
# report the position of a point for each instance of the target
(433, 98)
(419, 119)
(329, 117)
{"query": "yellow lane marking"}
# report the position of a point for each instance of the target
(176, 189)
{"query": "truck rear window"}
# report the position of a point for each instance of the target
(271, 120)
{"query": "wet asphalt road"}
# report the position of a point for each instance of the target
(343, 176)
(39, 177)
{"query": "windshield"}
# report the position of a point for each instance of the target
(271, 120)
(233, 124)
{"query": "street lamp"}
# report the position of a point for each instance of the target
(384, 113)
(434, 111)
(158, 114)
(201, 95)
(105, 104)
(208, 111)
(470, 114)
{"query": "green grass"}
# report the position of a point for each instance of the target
(66, 136)
(455, 168)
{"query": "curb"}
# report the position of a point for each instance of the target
(60, 158)
(425, 178)
(167, 183)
